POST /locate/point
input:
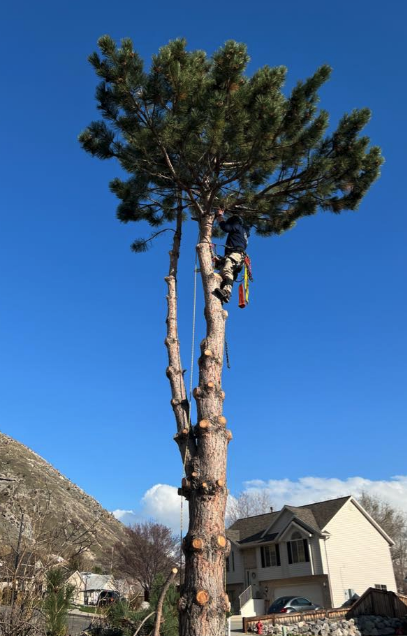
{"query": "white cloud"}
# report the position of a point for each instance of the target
(162, 503)
(311, 489)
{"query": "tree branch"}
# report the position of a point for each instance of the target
(161, 601)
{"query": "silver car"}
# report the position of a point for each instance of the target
(290, 604)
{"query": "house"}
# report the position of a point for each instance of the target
(25, 572)
(88, 586)
(325, 551)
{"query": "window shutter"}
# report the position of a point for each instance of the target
(278, 554)
(306, 549)
(290, 556)
(262, 558)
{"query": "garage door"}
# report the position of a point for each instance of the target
(311, 592)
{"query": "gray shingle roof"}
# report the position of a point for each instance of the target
(315, 515)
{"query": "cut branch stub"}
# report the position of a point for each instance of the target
(194, 474)
(225, 313)
(229, 435)
(222, 420)
(210, 385)
(208, 353)
(204, 425)
(226, 602)
(197, 543)
(202, 597)
(186, 484)
(222, 395)
(220, 483)
(221, 541)
(197, 392)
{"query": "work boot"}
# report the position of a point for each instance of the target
(222, 294)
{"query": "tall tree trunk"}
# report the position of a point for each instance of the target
(203, 448)
(203, 600)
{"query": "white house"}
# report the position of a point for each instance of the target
(88, 586)
(324, 551)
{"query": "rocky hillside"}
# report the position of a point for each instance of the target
(56, 514)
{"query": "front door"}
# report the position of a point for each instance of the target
(251, 579)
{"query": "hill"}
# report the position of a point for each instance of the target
(52, 512)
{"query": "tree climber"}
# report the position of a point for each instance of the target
(235, 252)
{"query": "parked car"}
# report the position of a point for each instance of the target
(290, 604)
(106, 597)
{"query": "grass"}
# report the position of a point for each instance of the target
(88, 609)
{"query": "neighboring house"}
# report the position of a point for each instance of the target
(88, 586)
(324, 551)
(25, 573)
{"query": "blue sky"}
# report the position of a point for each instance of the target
(317, 385)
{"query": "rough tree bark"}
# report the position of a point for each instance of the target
(203, 448)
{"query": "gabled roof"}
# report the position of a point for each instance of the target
(251, 526)
(96, 581)
(258, 529)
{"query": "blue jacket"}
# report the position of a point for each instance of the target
(238, 234)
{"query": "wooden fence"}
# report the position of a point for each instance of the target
(372, 602)
(379, 603)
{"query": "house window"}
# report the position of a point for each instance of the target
(230, 562)
(270, 555)
(378, 586)
(297, 548)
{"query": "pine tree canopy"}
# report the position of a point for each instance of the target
(199, 133)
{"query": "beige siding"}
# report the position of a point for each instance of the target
(236, 575)
(315, 555)
(76, 580)
(299, 569)
(282, 522)
(249, 559)
(358, 556)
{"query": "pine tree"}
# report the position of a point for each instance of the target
(56, 604)
(196, 134)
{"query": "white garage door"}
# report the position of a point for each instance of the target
(312, 592)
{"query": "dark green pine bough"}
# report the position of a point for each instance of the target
(196, 134)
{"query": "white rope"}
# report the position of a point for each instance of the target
(191, 376)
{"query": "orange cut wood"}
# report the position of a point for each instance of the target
(208, 353)
(204, 424)
(202, 597)
(222, 541)
(222, 420)
(197, 543)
